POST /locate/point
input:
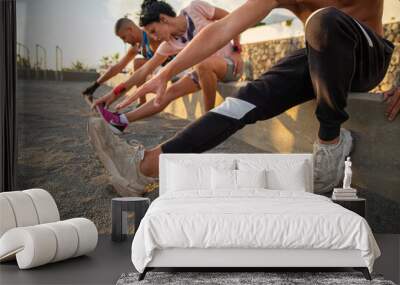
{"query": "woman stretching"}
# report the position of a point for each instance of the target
(161, 22)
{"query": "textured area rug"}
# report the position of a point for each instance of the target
(243, 278)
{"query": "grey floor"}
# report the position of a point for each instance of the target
(103, 266)
(110, 260)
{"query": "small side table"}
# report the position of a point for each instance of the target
(358, 205)
(119, 214)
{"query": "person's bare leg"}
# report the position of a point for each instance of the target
(149, 164)
(210, 71)
(180, 88)
(137, 63)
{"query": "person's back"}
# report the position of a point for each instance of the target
(368, 12)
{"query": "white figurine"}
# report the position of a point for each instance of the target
(347, 174)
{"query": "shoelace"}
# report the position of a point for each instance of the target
(137, 156)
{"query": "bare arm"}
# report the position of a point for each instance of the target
(135, 80)
(139, 76)
(111, 72)
(119, 66)
(219, 34)
(221, 13)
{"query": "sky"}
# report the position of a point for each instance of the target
(84, 29)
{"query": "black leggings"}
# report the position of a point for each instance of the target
(341, 55)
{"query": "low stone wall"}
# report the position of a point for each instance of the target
(264, 55)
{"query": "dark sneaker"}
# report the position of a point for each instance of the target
(112, 119)
(329, 162)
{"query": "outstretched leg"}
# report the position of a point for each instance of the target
(287, 84)
(182, 87)
(209, 71)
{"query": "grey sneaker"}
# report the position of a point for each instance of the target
(329, 162)
(135, 160)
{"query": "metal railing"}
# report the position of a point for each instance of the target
(20, 56)
(38, 64)
(59, 63)
(27, 52)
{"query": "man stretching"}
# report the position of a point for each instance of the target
(141, 44)
(345, 51)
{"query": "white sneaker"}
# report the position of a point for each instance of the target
(329, 162)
